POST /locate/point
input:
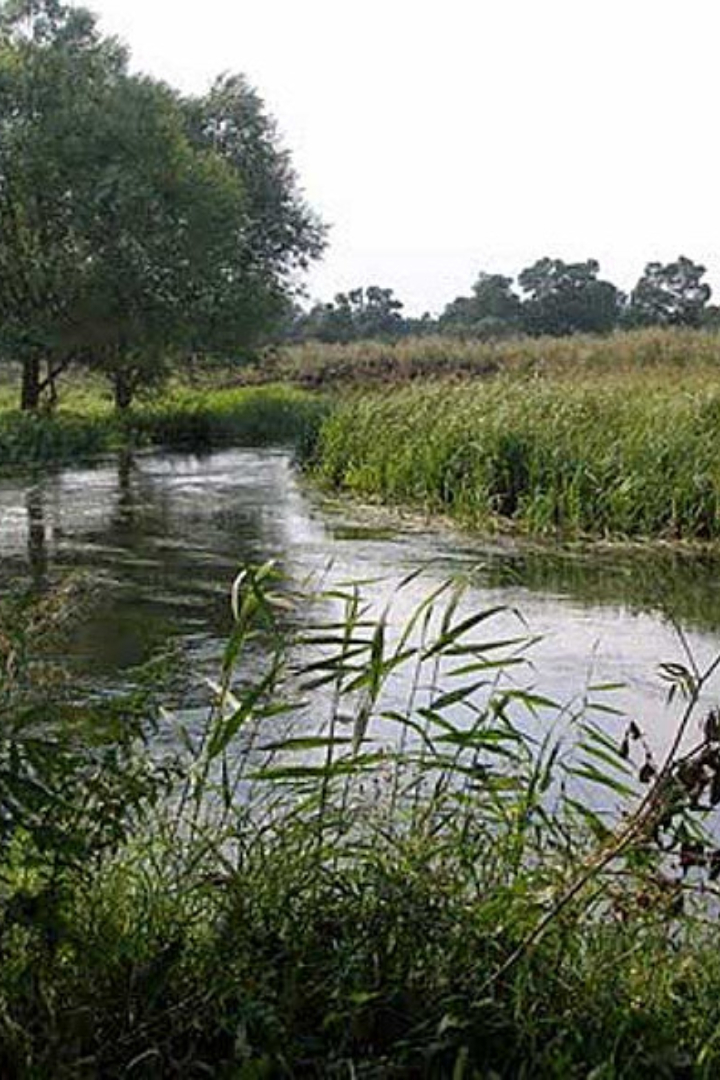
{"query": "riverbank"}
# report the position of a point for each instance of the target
(254, 903)
(86, 424)
(578, 454)
(633, 456)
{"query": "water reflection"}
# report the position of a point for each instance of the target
(162, 536)
(37, 553)
(126, 500)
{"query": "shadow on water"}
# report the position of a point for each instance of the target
(677, 585)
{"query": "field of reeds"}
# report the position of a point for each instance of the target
(362, 363)
(86, 424)
(634, 454)
(429, 889)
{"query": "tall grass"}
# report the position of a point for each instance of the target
(86, 425)
(366, 362)
(256, 416)
(631, 457)
(415, 888)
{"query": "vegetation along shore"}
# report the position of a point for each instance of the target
(426, 888)
(366, 845)
(577, 437)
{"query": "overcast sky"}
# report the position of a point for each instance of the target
(441, 138)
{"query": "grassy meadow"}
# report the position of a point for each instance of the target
(360, 364)
(579, 437)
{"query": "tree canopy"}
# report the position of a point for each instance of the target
(555, 298)
(139, 227)
(135, 225)
(672, 294)
(493, 308)
(567, 298)
(371, 312)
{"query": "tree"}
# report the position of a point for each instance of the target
(165, 230)
(135, 226)
(331, 322)
(566, 298)
(492, 310)
(281, 233)
(371, 312)
(53, 68)
(671, 295)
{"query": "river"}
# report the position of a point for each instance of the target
(160, 537)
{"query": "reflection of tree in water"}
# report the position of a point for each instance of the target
(126, 500)
(175, 536)
(37, 553)
(163, 536)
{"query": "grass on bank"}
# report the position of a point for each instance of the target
(672, 351)
(632, 456)
(334, 901)
(583, 436)
(85, 424)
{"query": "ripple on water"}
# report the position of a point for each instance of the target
(163, 536)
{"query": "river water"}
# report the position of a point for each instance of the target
(162, 535)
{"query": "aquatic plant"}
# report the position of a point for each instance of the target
(427, 886)
(624, 458)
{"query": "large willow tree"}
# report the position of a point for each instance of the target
(136, 227)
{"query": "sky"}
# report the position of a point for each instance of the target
(439, 139)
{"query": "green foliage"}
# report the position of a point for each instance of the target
(632, 456)
(360, 313)
(71, 774)
(55, 72)
(255, 416)
(136, 227)
(670, 295)
(567, 298)
(493, 310)
(164, 232)
(282, 234)
(559, 299)
(26, 438)
(410, 888)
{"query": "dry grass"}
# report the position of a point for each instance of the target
(315, 364)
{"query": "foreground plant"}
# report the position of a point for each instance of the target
(345, 877)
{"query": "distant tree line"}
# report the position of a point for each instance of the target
(138, 228)
(141, 229)
(553, 297)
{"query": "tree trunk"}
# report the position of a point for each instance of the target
(123, 391)
(30, 393)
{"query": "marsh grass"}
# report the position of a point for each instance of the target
(444, 901)
(628, 457)
(674, 352)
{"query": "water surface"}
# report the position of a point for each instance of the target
(162, 535)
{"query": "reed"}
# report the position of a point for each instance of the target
(424, 888)
(674, 350)
(632, 456)
(86, 425)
